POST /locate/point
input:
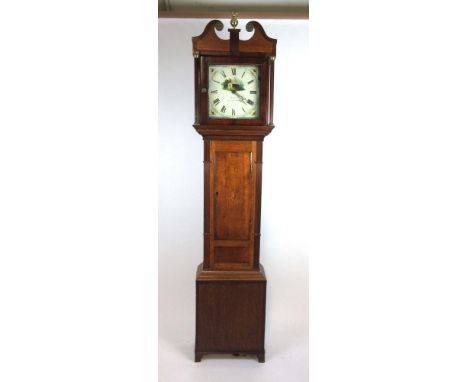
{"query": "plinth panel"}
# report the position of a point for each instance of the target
(230, 316)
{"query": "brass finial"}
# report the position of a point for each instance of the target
(234, 21)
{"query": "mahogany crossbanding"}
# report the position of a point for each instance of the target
(231, 283)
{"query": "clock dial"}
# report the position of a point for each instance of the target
(233, 91)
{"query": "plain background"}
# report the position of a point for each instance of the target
(385, 212)
(284, 243)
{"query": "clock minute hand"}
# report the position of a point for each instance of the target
(239, 96)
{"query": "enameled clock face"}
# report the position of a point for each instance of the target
(233, 91)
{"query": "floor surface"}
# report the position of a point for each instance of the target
(286, 357)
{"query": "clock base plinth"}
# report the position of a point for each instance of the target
(230, 313)
(260, 356)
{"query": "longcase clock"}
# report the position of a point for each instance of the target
(233, 113)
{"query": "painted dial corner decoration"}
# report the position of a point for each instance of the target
(233, 91)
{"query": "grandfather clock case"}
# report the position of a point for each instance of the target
(233, 113)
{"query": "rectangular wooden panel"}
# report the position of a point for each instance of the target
(233, 195)
(230, 317)
(232, 187)
(232, 255)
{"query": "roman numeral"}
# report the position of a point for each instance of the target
(233, 112)
(253, 92)
(224, 74)
(216, 101)
(233, 70)
(243, 74)
(217, 81)
(244, 110)
(250, 81)
(250, 102)
(213, 91)
(223, 109)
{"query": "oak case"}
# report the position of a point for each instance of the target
(231, 283)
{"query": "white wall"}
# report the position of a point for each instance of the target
(285, 237)
(387, 157)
